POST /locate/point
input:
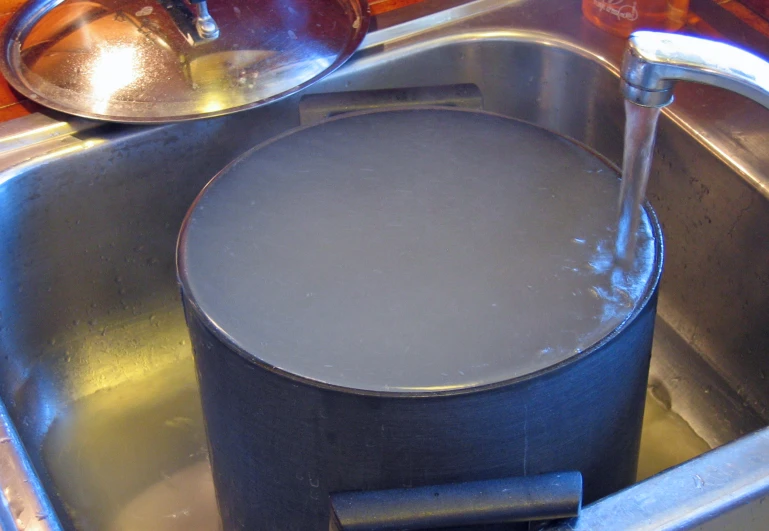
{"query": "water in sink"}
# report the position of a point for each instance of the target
(666, 439)
(114, 444)
(184, 501)
(134, 457)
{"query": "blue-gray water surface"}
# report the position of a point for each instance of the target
(413, 250)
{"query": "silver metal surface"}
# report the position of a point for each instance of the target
(654, 61)
(24, 504)
(691, 495)
(143, 62)
(95, 365)
(205, 23)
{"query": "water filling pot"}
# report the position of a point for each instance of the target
(408, 298)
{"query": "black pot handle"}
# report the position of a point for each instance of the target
(542, 497)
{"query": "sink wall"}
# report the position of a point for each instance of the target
(89, 303)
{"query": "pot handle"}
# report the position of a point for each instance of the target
(541, 497)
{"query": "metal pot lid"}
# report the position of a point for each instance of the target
(145, 61)
(451, 250)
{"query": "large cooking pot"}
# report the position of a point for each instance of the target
(408, 298)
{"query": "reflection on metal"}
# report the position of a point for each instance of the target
(41, 137)
(654, 61)
(205, 23)
(24, 505)
(142, 62)
(688, 496)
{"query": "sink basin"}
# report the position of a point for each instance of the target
(96, 375)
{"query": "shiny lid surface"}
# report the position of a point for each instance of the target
(145, 61)
(413, 251)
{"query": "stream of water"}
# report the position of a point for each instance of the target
(640, 132)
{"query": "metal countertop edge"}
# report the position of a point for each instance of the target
(689, 495)
(25, 505)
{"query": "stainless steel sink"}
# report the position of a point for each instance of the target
(96, 376)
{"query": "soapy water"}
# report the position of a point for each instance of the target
(614, 285)
(434, 262)
(666, 439)
(184, 500)
(640, 133)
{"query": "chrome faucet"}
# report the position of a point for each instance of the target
(205, 24)
(654, 61)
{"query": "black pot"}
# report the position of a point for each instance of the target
(284, 436)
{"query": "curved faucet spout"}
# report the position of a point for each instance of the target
(654, 61)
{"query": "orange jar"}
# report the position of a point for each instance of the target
(622, 17)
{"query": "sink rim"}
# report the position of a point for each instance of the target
(14, 161)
